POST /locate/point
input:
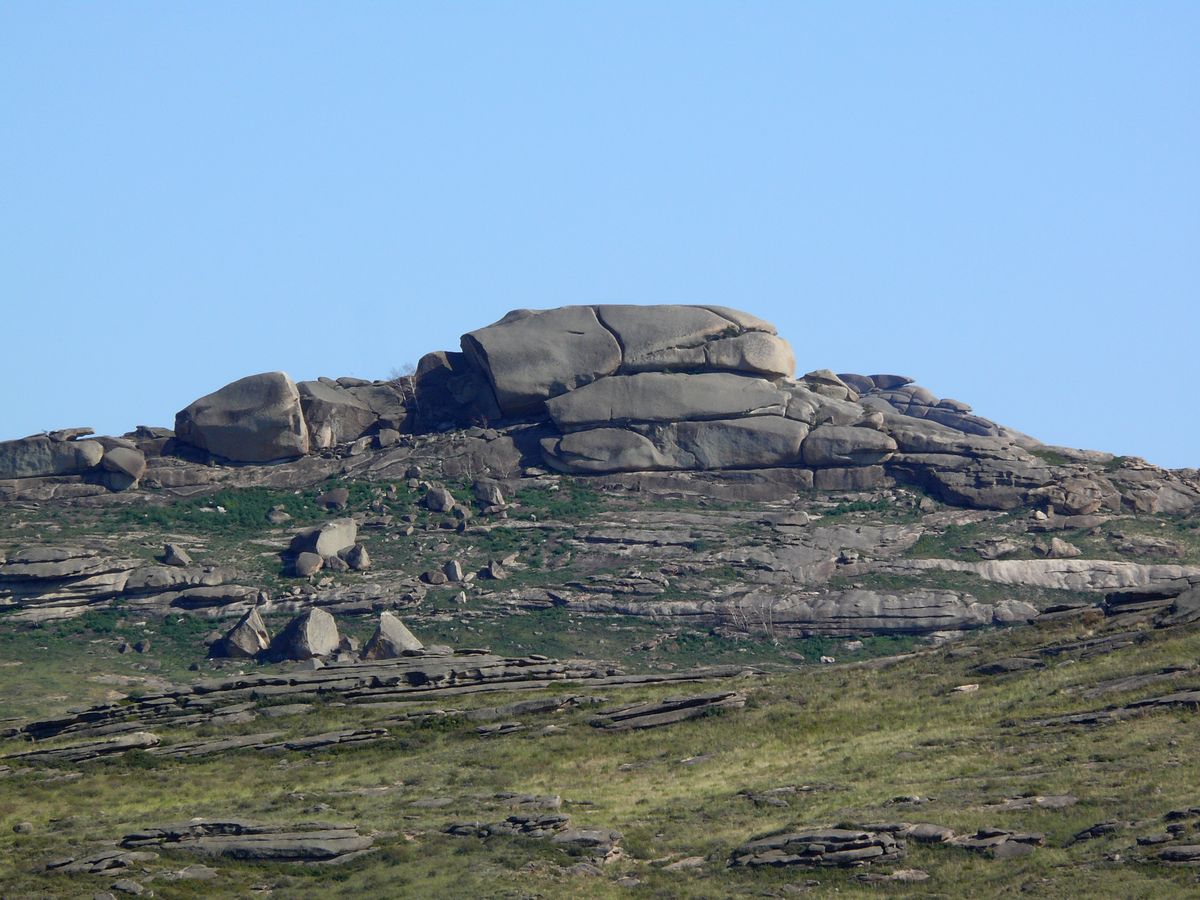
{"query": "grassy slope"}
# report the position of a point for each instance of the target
(861, 736)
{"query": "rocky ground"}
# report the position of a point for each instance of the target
(929, 696)
(571, 622)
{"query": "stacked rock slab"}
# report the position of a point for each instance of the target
(645, 388)
(42, 455)
(615, 389)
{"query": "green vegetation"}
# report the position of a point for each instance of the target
(572, 500)
(235, 510)
(1053, 457)
(856, 737)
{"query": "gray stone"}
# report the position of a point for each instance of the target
(487, 493)
(890, 382)
(246, 640)
(337, 498)
(654, 338)
(451, 391)
(438, 499)
(840, 445)
(753, 442)
(307, 564)
(603, 450)
(357, 558)
(665, 397)
(310, 635)
(254, 419)
(761, 354)
(530, 356)
(820, 847)
(333, 414)
(70, 434)
(391, 639)
(326, 540)
(175, 555)
(123, 467)
(862, 384)
(1056, 548)
(38, 456)
(311, 842)
(756, 442)
(824, 382)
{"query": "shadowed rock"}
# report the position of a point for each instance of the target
(246, 640)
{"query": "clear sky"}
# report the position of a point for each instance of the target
(1000, 199)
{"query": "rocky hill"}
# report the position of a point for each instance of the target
(878, 638)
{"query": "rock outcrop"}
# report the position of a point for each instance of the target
(45, 583)
(333, 414)
(842, 847)
(612, 390)
(255, 419)
(42, 455)
(311, 842)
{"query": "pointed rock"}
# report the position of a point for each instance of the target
(248, 638)
(391, 639)
(174, 555)
(309, 635)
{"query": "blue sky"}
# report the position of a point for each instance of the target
(1000, 199)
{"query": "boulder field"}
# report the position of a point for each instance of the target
(611, 390)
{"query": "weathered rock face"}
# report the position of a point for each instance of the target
(391, 639)
(309, 842)
(255, 419)
(41, 455)
(530, 357)
(665, 397)
(333, 414)
(246, 640)
(612, 390)
(326, 540)
(312, 634)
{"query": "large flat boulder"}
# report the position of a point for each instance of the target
(40, 455)
(665, 397)
(654, 338)
(754, 442)
(255, 419)
(531, 356)
(760, 442)
(603, 450)
(845, 445)
(666, 337)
